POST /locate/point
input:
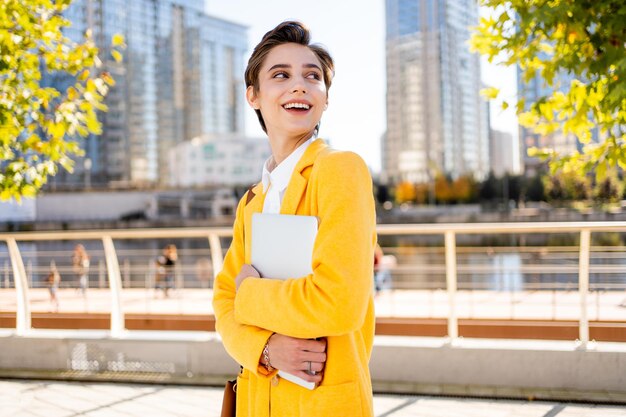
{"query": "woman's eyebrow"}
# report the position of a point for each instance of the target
(312, 66)
(282, 66)
(279, 66)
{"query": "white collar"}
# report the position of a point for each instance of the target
(281, 174)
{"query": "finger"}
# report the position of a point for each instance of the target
(315, 345)
(315, 366)
(308, 377)
(314, 356)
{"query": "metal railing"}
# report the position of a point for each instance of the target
(449, 232)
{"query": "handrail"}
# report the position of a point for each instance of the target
(213, 234)
(491, 228)
(183, 232)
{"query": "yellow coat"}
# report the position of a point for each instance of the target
(335, 302)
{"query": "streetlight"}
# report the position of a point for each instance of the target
(87, 164)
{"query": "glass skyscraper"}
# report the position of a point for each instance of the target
(181, 77)
(435, 118)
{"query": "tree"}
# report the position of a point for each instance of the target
(405, 192)
(607, 190)
(464, 189)
(444, 193)
(585, 39)
(554, 188)
(421, 193)
(40, 126)
(567, 187)
(382, 193)
(489, 188)
(533, 189)
(578, 187)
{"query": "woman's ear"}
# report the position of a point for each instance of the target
(252, 98)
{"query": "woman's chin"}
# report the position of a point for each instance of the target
(298, 131)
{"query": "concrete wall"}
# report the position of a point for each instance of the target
(11, 211)
(539, 369)
(90, 206)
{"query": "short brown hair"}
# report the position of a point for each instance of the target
(286, 32)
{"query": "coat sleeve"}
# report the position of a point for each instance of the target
(333, 300)
(244, 343)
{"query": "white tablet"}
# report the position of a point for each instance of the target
(282, 245)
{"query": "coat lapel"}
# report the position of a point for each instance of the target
(298, 182)
(254, 204)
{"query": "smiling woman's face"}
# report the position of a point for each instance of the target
(291, 93)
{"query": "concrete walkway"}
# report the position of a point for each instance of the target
(554, 305)
(19, 398)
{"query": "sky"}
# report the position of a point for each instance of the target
(354, 33)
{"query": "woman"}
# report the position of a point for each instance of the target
(166, 271)
(54, 280)
(80, 264)
(318, 327)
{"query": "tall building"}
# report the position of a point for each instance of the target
(181, 77)
(435, 119)
(502, 153)
(211, 160)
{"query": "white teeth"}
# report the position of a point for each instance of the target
(296, 106)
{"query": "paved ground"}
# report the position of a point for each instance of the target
(604, 305)
(64, 399)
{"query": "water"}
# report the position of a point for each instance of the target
(513, 262)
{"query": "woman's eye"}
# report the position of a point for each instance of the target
(314, 76)
(281, 75)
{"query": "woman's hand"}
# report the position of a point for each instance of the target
(246, 271)
(298, 356)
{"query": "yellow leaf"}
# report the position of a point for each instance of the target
(572, 36)
(117, 56)
(5, 195)
(528, 119)
(106, 77)
(72, 94)
(490, 92)
(84, 75)
(28, 191)
(118, 40)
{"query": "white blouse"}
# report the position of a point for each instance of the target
(275, 182)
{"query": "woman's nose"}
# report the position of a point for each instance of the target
(298, 86)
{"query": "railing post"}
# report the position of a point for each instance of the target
(23, 323)
(583, 284)
(450, 242)
(7, 282)
(101, 271)
(217, 258)
(126, 264)
(115, 284)
(29, 273)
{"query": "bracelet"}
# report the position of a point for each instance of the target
(266, 356)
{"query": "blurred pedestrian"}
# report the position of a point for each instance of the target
(382, 265)
(166, 264)
(80, 265)
(53, 280)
